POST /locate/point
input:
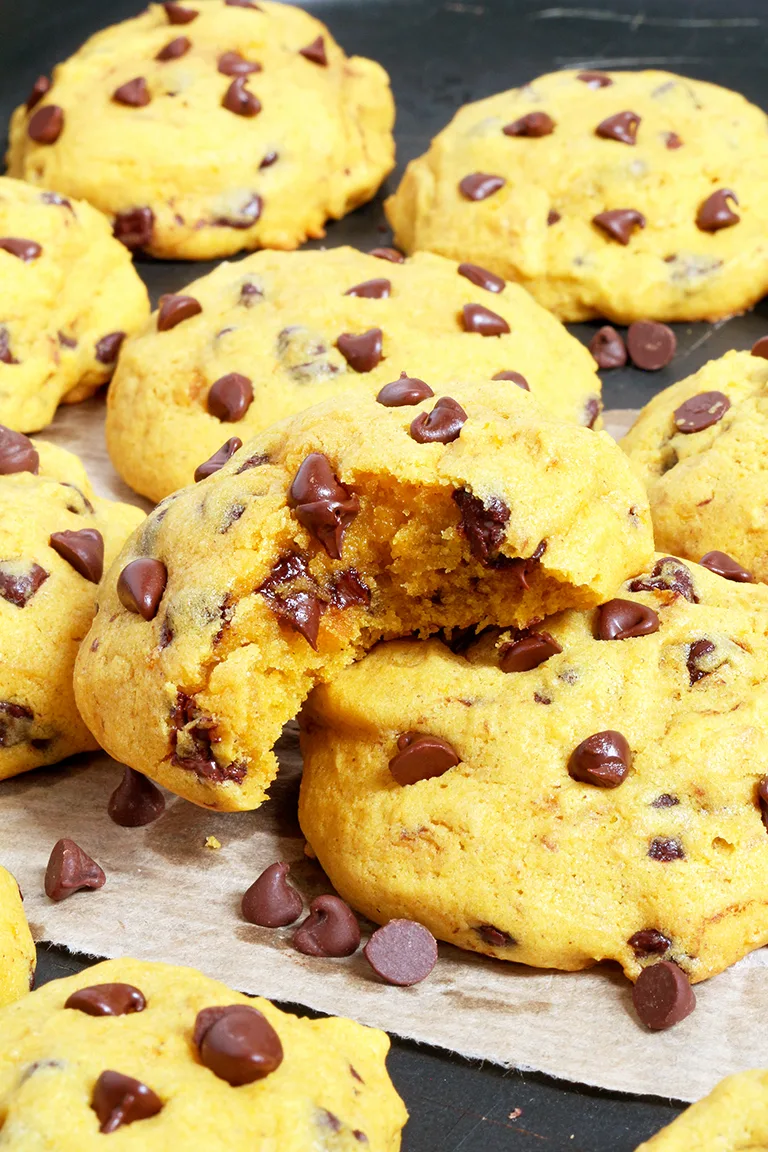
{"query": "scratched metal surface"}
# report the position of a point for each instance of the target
(441, 53)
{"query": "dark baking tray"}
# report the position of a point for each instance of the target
(440, 54)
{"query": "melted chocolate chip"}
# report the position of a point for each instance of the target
(528, 651)
(404, 392)
(481, 320)
(192, 736)
(299, 607)
(108, 347)
(107, 1000)
(665, 801)
(402, 952)
(237, 1043)
(239, 100)
(362, 352)
(331, 929)
(69, 870)
(663, 995)
(216, 462)
(140, 586)
(118, 1099)
(673, 141)
(174, 49)
(532, 124)
(515, 378)
(651, 345)
(322, 504)
(649, 942)
(349, 590)
(233, 64)
(495, 936)
(24, 250)
(623, 619)
(230, 397)
(17, 453)
(173, 309)
(482, 523)
(40, 87)
(622, 127)
(270, 901)
(608, 348)
(619, 223)
(715, 212)
(136, 801)
(134, 229)
(315, 52)
(594, 79)
(760, 347)
(421, 757)
(668, 575)
(390, 254)
(697, 652)
(701, 411)
(723, 565)
(269, 159)
(480, 185)
(46, 125)
(177, 14)
(482, 277)
(442, 425)
(83, 550)
(378, 289)
(134, 94)
(665, 849)
(18, 585)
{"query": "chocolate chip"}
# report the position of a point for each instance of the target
(361, 352)
(322, 504)
(349, 590)
(140, 586)
(134, 93)
(134, 229)
(495, 936)
(331, 929)
(553, 217)
(18, 586)
(665, 801)
(651, 345)
(83, 550)
(649, 942)
(82, 505)
(69, 870)
(46, 124)
(533, 124)
(515, 378)
(760, 347)
(701, 411)
(404, 392)
(39, 89)
(269, 159)
(482, 522)
(244, 4)
(233, 64)
(480, 185)
(715, 212)
(762, 800)
(668, 575)
(177, 14)
(663, 995)
(371, 289)
(592, 410)
(390, 254)
(237, 1043)
(725, 566)
(245, 217)
(118, 1099)
(608, 348)
(108, 347)
(174, 49)
(622, 127)
(270, 901)
(421, 757)
(402, 952)
(442, 425)
(619, 223)
(603, 759)
(673, 141)
(136, 801)
(6, 356)
(481, 320)
(528, 651)
(255, 461)
(315, 52)
(17, 453)
(107, 1000)
(230, 397)
(216, 462)
(239, 100)
(482, 278)
(696, 652)
(621, 619)
(15, 724)
(594, 79)
(300, 608)
(173, 309)
(25, 250)
(664, 849)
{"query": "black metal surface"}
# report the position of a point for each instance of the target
(441, 53)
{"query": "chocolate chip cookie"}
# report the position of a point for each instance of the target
(701, 448)
(205, 127)
(55, 538)
(731, 1119)
(69, 296)
(17, 949)
(630, 195)
(361, 518)
(590, 788)
(255, 341)
(170, 1058)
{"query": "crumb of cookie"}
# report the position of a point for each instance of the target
(212, 842)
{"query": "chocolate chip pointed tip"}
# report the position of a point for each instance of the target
(136, 801)
(69, 870)
(402, 952)
(271, 902)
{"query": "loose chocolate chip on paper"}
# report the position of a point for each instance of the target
(421, 757)
(40, 87)
(723, 565)
(515, 378)
(173, 309)
(666, 849)
(46, 125)
(216, 462)
(69, 870)
(349, 590)
(362, 352)
(140, 586)
(482, 522)
(237, 1043)
(390, 254)
(331, 929)
(134, 228)
(595, 79)
(230, 397)
(17, 453)
(18, 587)
(83, 550)
(697, 652)
(480, 185)
(402, 952)
(406, 391)
(239, 100)
(701, 411)
(608, 348)
(528, 651)
(715, 212)
(136, 801)
(315, 52)
(178, 14)
(495, 936)
(108, 347)
(663, 995)
(619, 223)
(622, 127)
(174, 49)
(378, 289)
(107, 1000)
(322, 504)
(760, 347)
(24, 250)
(134, 93)
(442, 425)
(482, 277)
(649, 942)
(603, 759)
(651, 345)
(668, 575)
(270, 901)
(622, 619)
(481, 320)
(119, 1099)
(233, 64)
(532, 124)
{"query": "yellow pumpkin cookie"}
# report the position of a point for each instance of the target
(17, 949)
(733, 1118)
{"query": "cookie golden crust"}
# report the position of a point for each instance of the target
(648, 844)
(50, 521)
(236, 126)
(17, 949)
(326, 1084)
(70, 295)
(672, 169)
(347, 523)
(701, 448)
(731, 1119)
(280, 321)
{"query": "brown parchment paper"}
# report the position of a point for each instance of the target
(170, 897)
